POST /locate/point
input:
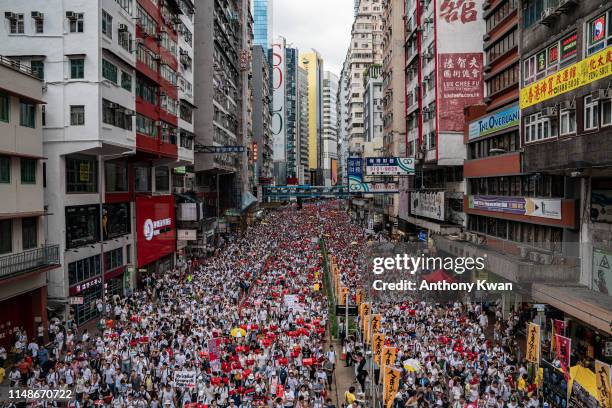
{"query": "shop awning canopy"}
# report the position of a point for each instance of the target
(438, 276)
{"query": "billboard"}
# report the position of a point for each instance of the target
(590, 69)
(534, 207)
(428, 204)
(357, 186)
(334, 172)
(155, 224)
(459, 63)
(188, 212)
(389, 166)
(187, 235)
(278, 101)
(500, 120)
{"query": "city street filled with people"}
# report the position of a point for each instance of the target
(249, 327)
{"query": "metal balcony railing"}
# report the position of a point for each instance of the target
(26, 261)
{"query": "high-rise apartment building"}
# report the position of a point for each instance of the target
(364, 50)
(262, 27)
(330, 129)
(342, 117)
(312, 62)
(262, 121)
(25, 254)
(303, 124)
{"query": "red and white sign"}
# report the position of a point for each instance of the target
(459, 85)
(155, 223)
(459, 63)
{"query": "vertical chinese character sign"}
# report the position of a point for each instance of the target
(459, 63)
(391, 385)
(533, 343)
(604, 389)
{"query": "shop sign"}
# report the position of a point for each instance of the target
(187, 235)
(389, 166)
(602, 271)
(81, 287)
(597, 66)
(430, 204)
(76, 300)
(355, 167)
(357, 187)
(533, 207)
(188, 212)
(155, 226)
(495, 122)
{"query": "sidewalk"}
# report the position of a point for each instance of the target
(343, 378)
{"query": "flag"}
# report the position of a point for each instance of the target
(391, 385)
(377, 347)
(533, 343)
(389, 355)
(564, 349)
(604, 389)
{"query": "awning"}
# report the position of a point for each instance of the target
(589, 306)
(26, 156)
(5, 216)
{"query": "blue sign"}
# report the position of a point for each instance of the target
(495, 122)
(355, 167)
(422, 236)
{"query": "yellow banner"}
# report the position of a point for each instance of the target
(590, 69)
(343, 295)
(376, 319)
(388, 356)
(358, 297)
(604, 389)
(391, 385)
(377, 347)
(533, 343)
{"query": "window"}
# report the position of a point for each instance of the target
(568, 121)
(83, 269)
(186, 113)
(113, 259)
(81, 174)
(125, 4)
(168, 104)
(162, 178)
(146, 126)
(168, 134)
(5, 169)
(502, 46)
(146, 22)
(39, 25)
(142, 177)
(538, 128)
(591, 113)
(146, 90)
(28, 171)
(38, 68)
(77, 115)
(82, 225)
(168, 74)
(76, 23)
(109, 71)
(187, 35)
(115, 220)
(501, 13)
(168, 43)
(27, 114)
(147, 57)
(599, 33)
(5, 107)
(124, 39)
(606, 112)
(126, 81)
(503, 79)
(77, 68)
(6, 236)
(116, 115)
(116, 176)
(29, 233)
(17, 26)
(548, 60)
(107, 24)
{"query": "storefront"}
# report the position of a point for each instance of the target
(156, 232)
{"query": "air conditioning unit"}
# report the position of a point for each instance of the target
(71, 15)
(123, 27)
(9, 16)
(37, 15)
(420, 155)
(546, 259)
(568, 105)
(157, 123)
(547, 14)
(549, 112)
(599, 94)
(534, 256)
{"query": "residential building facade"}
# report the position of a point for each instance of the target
(330, 129)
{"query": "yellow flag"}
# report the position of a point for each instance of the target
(366, 323)
(377, 347)
(343, 295)
(391, 385)
(358, 297)
(389, 355)
(604, 389)
(376, 320)
(533, 343)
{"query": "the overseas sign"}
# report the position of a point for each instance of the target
(152, 228)
(534, 207)
(590, 69)
(500, 120)
(428, 204)
(389, 166)
(357, 187)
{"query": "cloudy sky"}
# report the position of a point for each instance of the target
(324, 25)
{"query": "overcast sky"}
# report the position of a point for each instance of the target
(324, 25)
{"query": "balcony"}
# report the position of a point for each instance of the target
(29, 261)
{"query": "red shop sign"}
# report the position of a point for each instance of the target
(156, 227)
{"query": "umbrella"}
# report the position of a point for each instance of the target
(238, 332)
(412, 365)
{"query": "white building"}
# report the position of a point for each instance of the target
(330, 129)
(185, 82)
